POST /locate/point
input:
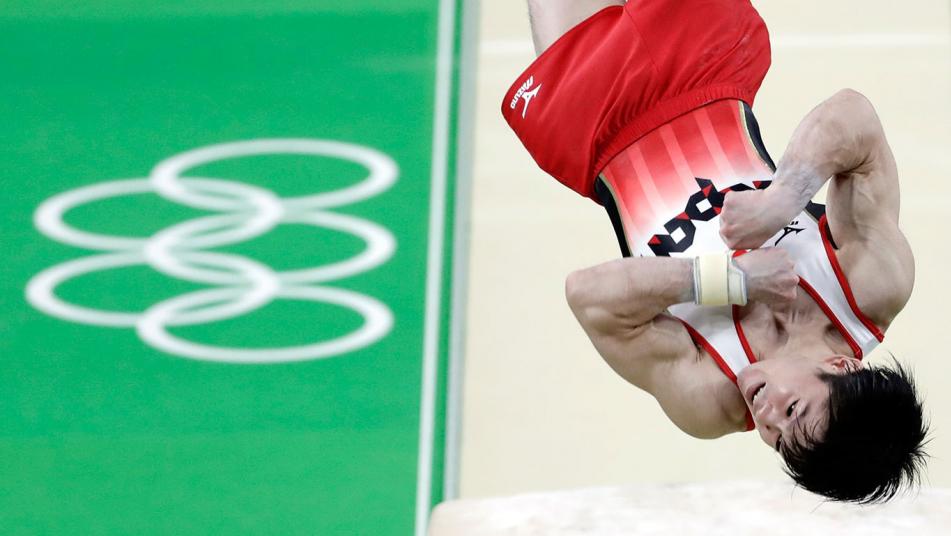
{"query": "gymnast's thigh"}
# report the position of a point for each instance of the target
(550, 19)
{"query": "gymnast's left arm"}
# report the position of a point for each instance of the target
(840, 139)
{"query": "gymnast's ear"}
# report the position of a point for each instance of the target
(842, 364)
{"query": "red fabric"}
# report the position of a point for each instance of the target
(844, 282)
(626, 71)
(699, 339)
(812, 292)
(742, 335)
(652, 179)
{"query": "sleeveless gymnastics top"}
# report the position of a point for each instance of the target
(664, 194)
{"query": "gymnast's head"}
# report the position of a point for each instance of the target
(845, 430)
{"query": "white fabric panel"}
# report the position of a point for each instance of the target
(803, 241)
(716, 326)
(813, 265)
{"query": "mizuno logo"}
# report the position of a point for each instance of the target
(789, 229)
(524, 93)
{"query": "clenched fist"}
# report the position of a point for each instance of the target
(770, 275)
(749, 218)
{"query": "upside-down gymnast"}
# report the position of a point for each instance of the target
(645, 108)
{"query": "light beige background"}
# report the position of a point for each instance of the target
(541, 410)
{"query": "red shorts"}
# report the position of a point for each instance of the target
(627, 70)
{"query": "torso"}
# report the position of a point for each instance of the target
(693, 233)
(767, 328)
(765, 325)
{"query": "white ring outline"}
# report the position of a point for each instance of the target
(49, 217)
(383, 171)
(378, 320)
(41, 290)
(252, 211)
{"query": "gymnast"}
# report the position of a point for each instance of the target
(739, 303)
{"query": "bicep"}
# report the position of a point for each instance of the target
(660, 358)
(644, 355)
(862, 208)
(880, 269)
(864, 203)
(863, 200)
(693, 399)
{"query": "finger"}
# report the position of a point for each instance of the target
(745, 243)
(729, 205)
(724, 235)
(756, 242)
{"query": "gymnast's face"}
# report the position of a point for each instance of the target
(786, 395)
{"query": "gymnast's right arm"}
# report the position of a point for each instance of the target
(621, 305)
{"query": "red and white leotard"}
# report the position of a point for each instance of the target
(645, 108)
(666, 191)
(669, 186)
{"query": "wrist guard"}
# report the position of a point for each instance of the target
(718, 281)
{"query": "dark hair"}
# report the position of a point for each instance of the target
(874, 443)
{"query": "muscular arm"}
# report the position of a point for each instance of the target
(841, 140)
(626, 294)
(621, 299)
(621, 306)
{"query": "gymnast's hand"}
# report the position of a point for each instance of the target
(749, 218)
(770, 275)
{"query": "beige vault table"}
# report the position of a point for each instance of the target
(713, 508)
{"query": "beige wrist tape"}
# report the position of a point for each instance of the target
(718, 281)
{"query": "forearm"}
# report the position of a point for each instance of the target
(841, 139)
(836, 139)
(633, 289)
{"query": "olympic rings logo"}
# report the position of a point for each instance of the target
(242, 212)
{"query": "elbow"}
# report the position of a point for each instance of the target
(573, 292)
(854, 100)
(856, 115)
(581, 300)
(586, 303)
(849, 94)
(859, 108)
